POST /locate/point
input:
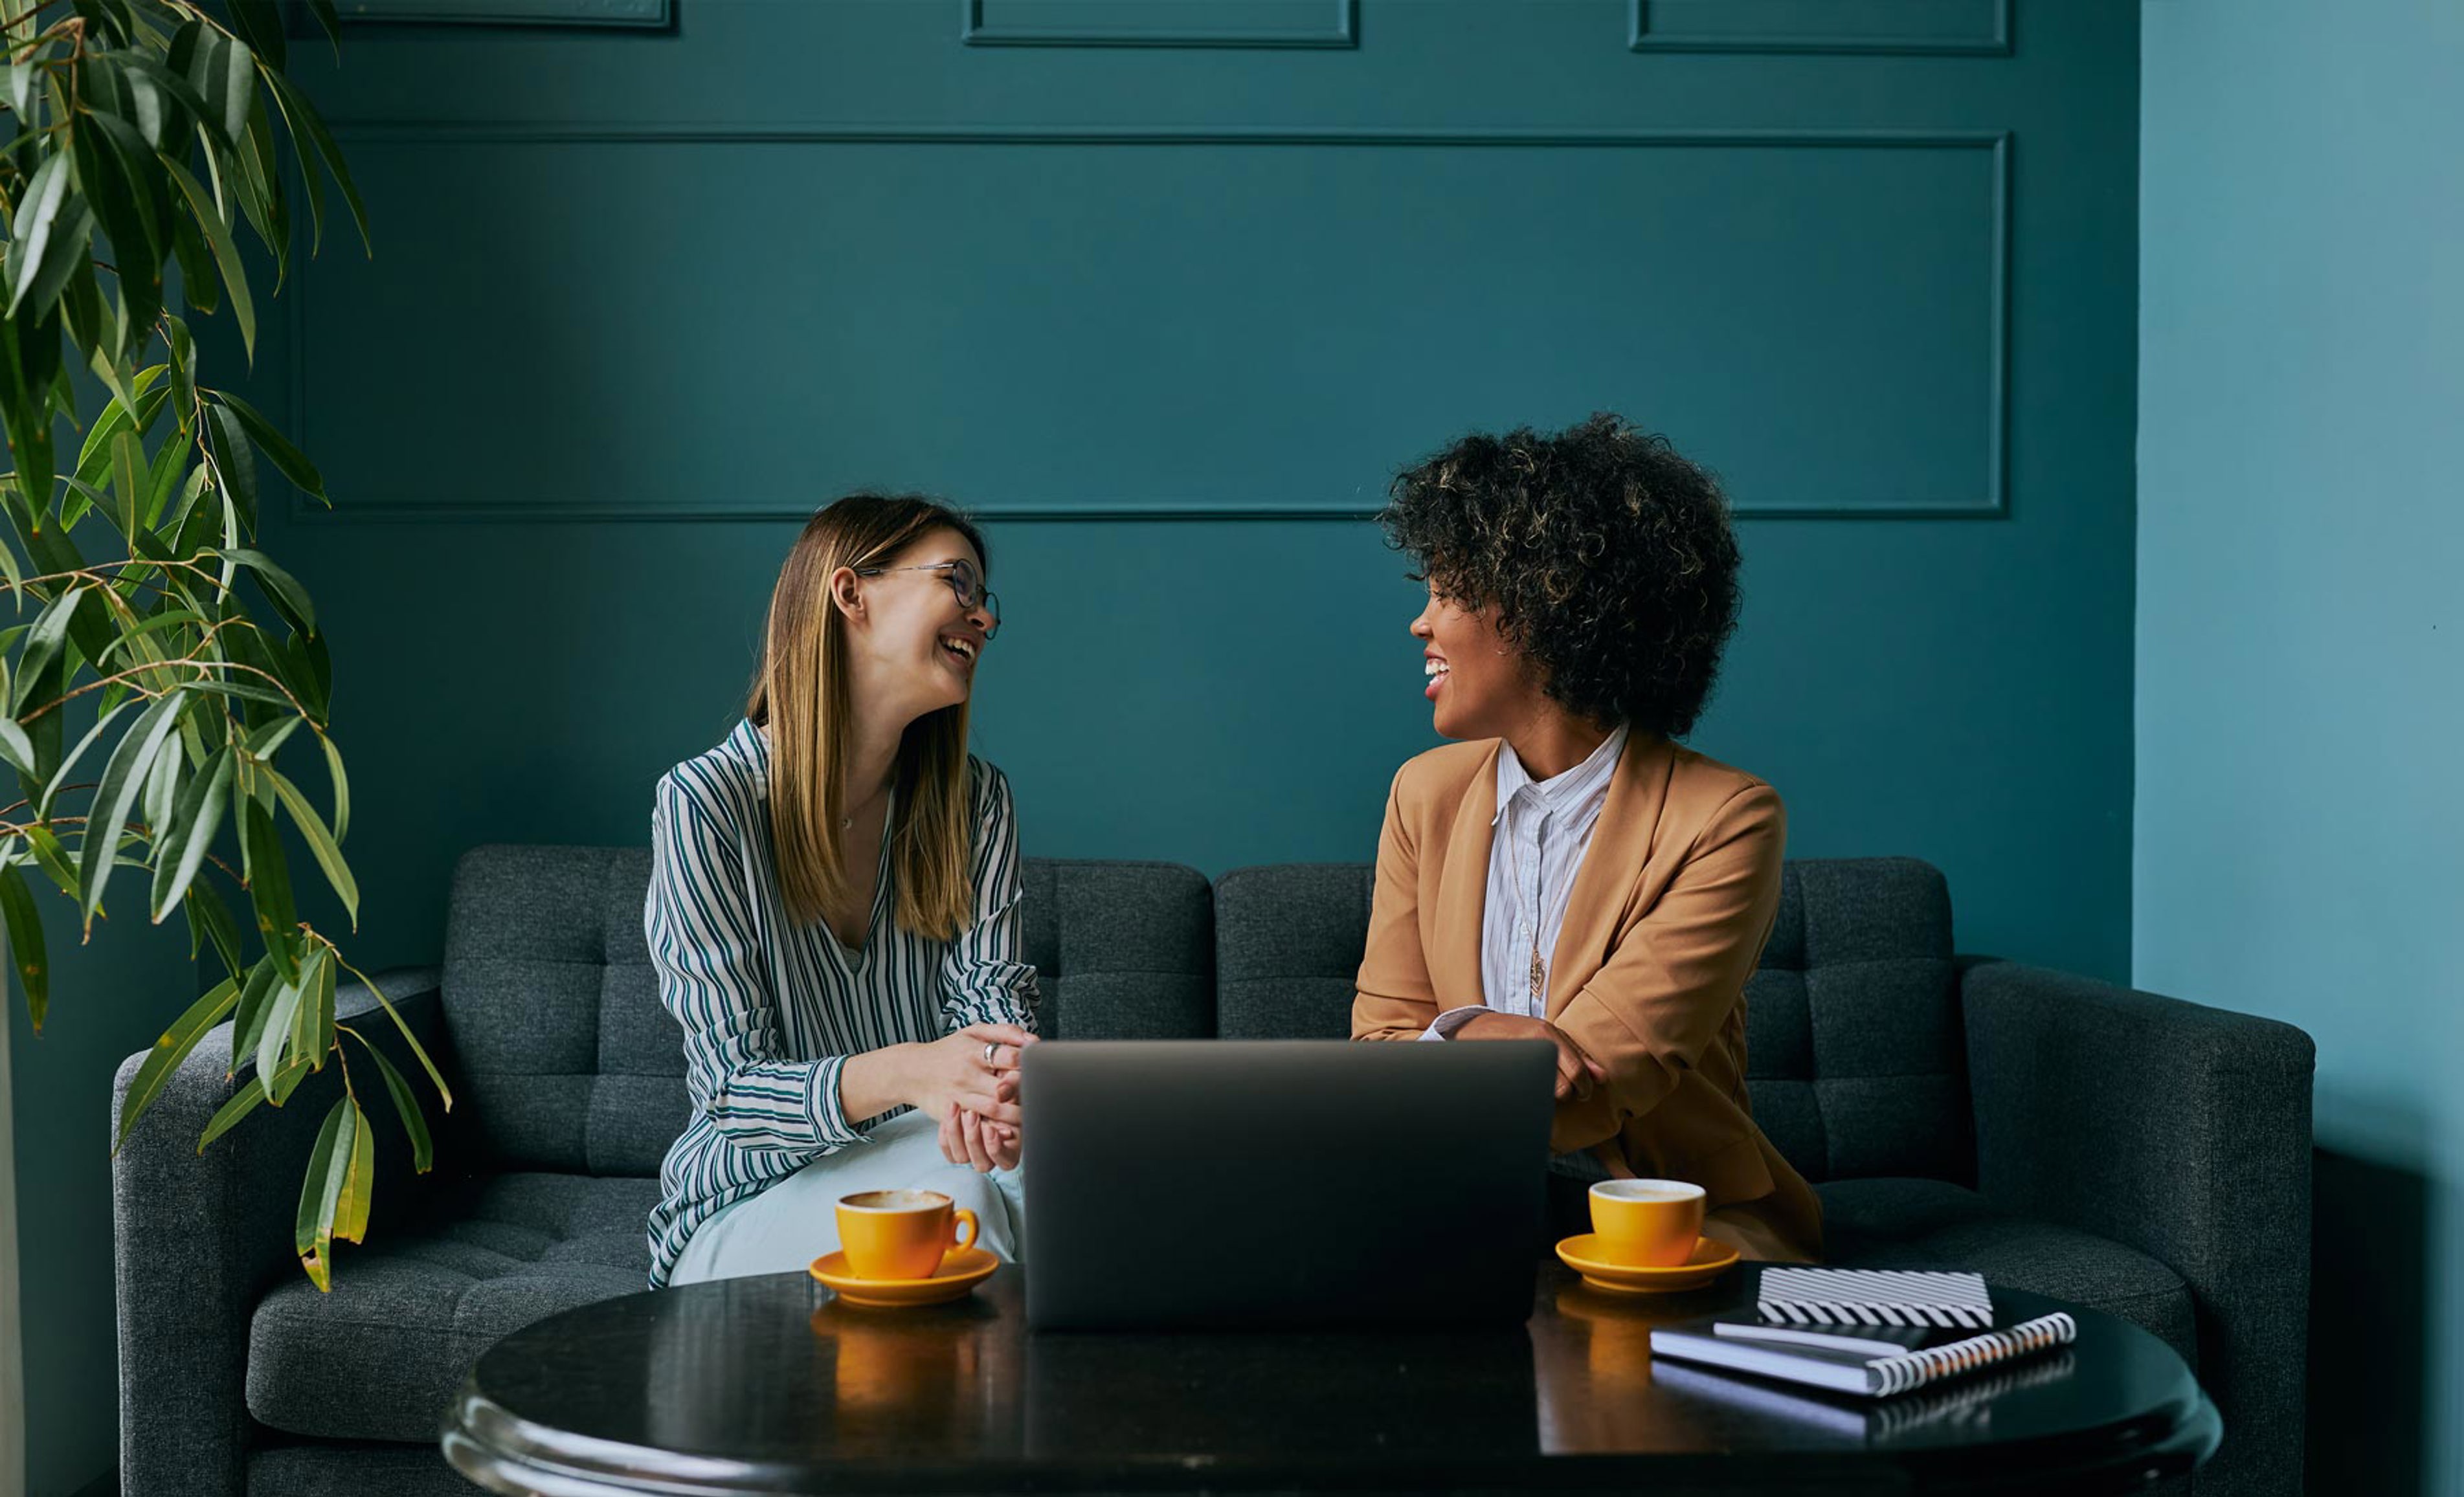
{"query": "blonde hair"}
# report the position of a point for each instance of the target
(801, 693)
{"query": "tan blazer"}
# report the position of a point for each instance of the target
(1668, 915)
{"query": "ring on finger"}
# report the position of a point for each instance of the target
(991, 1050)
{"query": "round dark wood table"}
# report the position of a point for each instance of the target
(770, 1385)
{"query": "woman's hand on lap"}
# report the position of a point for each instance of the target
(973, 1098)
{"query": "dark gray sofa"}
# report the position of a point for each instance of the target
(2134, 1152)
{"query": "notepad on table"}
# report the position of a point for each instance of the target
(1846, 1369)
(1875, 1297)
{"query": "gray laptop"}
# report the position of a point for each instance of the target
(1283, 1183)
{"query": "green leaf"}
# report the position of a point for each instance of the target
(293, 462)
(50, 235)
(193, 105)
(226, 256)
(30, 357)
(109, 166)
(211, 917)
(256, 995)
(234, 461)
(245, 690)
(262, 197)
(321, 1190)
(266, 739)
(405, 1106)
(162, 787)
(43, 645)
(305, 122)
(290, 599)
(17, 748)
(183, 374)
(182, 846)
(52, 859)
(121, 778)
(280, 1022)
(108, 86)
(127, 465)
(223, 75)
(68, 765)
(108, 20)
(269, 882)
(25, 945)
(198, 289)
(342, 787)
(169, 471)
(93, 458)
(171, 1050)
(436, 1078)
(246, 1100)
(260, 21)
(359, 1182)
(313, 1027)
(320, 841)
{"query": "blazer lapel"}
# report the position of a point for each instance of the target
(1612, 864)
(1455, 975)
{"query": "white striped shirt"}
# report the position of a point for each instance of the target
(1538, 837)
(772, 1012)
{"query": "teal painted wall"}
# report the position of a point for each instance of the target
(2299, 843)
(639, 301)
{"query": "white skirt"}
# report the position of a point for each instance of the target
(785, 1227)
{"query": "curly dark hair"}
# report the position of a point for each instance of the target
(1606, 557)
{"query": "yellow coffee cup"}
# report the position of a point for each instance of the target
(900, 1234)
(1647, 1223)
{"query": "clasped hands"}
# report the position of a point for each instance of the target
(1577, 1074)
(973, 1093)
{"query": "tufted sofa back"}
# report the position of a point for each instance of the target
(1853, 1056)
(566, 1060)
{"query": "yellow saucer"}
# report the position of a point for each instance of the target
(960, 1270)
(1582, 1254)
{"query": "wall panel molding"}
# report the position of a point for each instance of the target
(1968, 27)
(363, 503)
(597, 15)
(1140, 23)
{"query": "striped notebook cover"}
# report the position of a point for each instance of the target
(1870, 1297)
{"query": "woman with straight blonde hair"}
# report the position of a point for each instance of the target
(833, 911)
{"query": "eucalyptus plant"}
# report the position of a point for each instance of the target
(143, 136)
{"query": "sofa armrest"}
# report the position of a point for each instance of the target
(199, 1235)
(2181, 1131)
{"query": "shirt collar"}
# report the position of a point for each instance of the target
(1558, 792)
(748, 744)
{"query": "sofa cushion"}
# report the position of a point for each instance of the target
(566, 1060)
(381, 1355)
(1924, 1224)
(1287, 944)
(1855, 1058)
(1121, 951)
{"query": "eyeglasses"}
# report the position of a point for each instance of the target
(964, 581)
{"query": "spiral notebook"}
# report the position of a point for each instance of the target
(1875, 1297)
(1873, 1367)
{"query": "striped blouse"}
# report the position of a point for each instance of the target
(771, 1012)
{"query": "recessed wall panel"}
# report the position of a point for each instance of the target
(1075, 325)
(1845, 26)
(1148, 22)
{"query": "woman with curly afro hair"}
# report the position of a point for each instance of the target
(1567, 871)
